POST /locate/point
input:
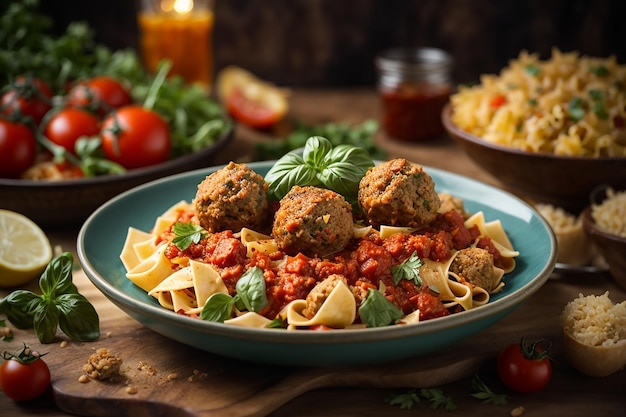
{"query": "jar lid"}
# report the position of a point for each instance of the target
(415, 60)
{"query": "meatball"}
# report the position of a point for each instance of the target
(398, 193)
(320, 293)
(231, 198)
(450, 202)
(313, 221)
(475, 265)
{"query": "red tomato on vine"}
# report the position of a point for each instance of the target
(28, 97)
(525, 367)
(24, 376)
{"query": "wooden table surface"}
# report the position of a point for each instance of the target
(569, 393)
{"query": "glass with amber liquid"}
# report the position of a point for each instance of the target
(180, 31)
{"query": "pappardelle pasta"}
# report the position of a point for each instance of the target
(261, 277)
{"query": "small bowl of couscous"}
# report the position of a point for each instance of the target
(605, 222)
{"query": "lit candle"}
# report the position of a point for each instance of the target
(180, 31)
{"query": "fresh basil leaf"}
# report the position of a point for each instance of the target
(218, 307)
(78, 319)
(17, 307)
(251, 289)
(377, 311)
(409, 270)
(315, 150)
(288, 171)
(46, 321)
(57, 277)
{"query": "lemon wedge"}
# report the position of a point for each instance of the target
(24, 249)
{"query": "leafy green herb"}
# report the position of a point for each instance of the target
(59, 305)
(437, 399)
(250, 296)
(251, 290)
(186, 234)
(600, 111)
(434, 395)
(485, 394)
(361, 136)
(532, 102)
(378, 311)
(532, 70)
(599, 70)
(596, 95)
(338, 168)
(576, 108)
(409, 270)
(218, 307)
(405, 400)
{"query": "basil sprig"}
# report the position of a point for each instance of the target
(338, 168)
(59, 305)
(250, 296)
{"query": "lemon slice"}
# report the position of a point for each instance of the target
(24, 249)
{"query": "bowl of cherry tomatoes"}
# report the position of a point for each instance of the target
(63, 154)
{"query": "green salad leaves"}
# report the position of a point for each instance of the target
(339, 168)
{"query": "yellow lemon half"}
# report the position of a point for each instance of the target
(24, 249)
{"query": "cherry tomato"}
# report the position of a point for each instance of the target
(18, 149)
(259, 114)
(28, 96)
(25, 376)
(524, 367)
(100, 94)
(68, 125)
(135, 137)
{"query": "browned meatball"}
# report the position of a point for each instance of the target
(319, 294)
(313, 221)
(398, 193)
(475, 265)
(231, 198)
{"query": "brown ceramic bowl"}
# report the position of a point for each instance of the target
(561, 181)
(68, 203)
(611, 247)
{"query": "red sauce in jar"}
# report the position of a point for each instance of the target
(412, 110)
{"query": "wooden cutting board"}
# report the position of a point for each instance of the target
(163, 377)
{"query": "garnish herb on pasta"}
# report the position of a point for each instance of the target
(377, 311)
(309, 260)
(409, 270)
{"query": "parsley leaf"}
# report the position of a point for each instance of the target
(532, 70)
(405, 401)
(485, 394)
(438, 399)
(576, 108)
(186, 234)
(409, 270)
(434, 395)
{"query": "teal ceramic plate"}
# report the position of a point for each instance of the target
(102, 236)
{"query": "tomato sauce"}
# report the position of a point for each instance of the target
(365, 264)
(412, 110)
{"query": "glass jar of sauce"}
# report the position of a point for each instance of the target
(415, 84)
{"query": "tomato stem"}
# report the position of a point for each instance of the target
(25, 355)
(536, 350)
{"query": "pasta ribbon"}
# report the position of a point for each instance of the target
(337, 311)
